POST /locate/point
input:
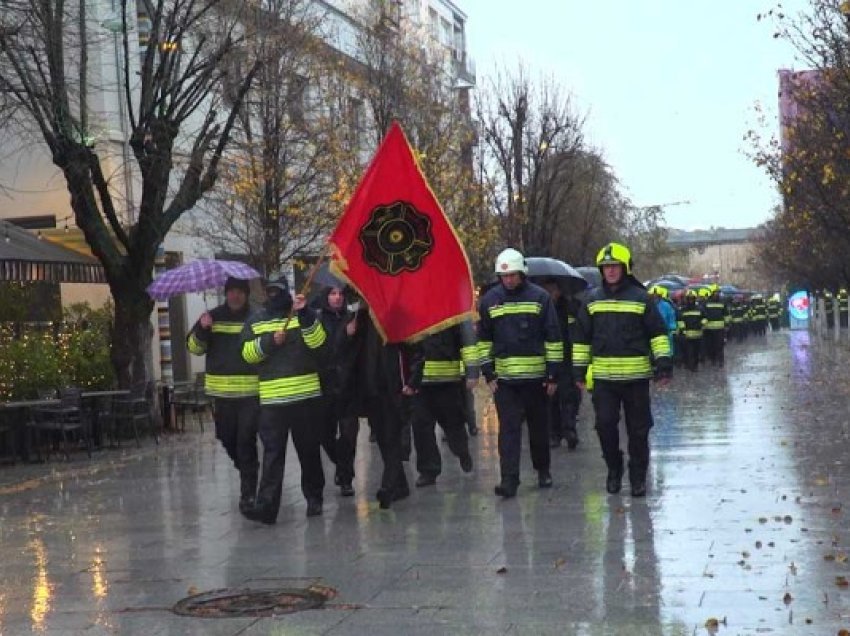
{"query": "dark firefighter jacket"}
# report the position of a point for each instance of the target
(447, 356)
(227, 374)
(519, 335)
(288, 372)
(690, 321)
(716, 314)
(621, 333)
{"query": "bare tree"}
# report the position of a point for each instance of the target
(179, 125)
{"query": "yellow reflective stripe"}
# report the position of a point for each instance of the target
(442, 370)
(270, 326)
(227, 327)
(514, 308)
(231, 385)
(660, 346)
(314, 336)
(715, 324)
(469, 354)
(291, 389)
(680, 324)
(570, 320)
(252, 351)
(485, 351)
(517, 367)
(195, 346)
(581, 354)
(625, 368)
(693, 333)
(616, 307)
(554, 351)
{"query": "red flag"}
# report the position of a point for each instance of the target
(396, 247)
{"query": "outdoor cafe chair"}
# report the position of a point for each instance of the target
(191, 397)
(58, 422)
(132, 412)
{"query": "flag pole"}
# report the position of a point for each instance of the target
(306, 287)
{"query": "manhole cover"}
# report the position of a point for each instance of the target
(252, 602)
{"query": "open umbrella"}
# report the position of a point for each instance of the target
(568, 278)
(198, 276)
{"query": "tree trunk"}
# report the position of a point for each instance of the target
(132, 337)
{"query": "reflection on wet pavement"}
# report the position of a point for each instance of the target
(745, 524)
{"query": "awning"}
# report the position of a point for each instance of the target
(25, 257)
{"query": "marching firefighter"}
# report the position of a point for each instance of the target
(842, 308)
(443, 366)
(691, 320)
(283, 341)
(622, 334)
(714, 330)
(232, 383)
(759, 314)
(828, 305)
(737, 313)
(774, 310)
(521, 347)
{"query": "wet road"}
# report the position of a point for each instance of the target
(745, 523)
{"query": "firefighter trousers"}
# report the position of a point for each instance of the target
(276, 422)
(236, 422)
(715, 345)
(339, 437)
(633, 397)
(443, 404)
(386, 414)
(515, 403)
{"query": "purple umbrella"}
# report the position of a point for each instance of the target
(197, 276)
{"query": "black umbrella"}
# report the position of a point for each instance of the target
(542, 268)
(324, 278)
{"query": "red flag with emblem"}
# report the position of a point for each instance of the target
(396, 247)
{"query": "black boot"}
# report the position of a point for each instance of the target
(248, 490)
(314, 507)
(507, 487)
(615, 477)
(572, 439)
(544, 479)
(637, 478)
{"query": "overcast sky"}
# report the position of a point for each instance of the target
(670, 87)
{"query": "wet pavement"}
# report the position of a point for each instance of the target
(745, 525)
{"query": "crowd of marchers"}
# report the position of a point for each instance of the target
(316, 369)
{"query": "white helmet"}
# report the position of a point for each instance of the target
(510, 261)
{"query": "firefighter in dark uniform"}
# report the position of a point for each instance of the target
(232, 383)
(828, 304)
(284, 347)
(621, 333)
(842, 308)
(563, 407)
(714, 330)
(759, 309)
(690, 320)
(736, 319)
(521, 347)
(774, 310)
(442, 366)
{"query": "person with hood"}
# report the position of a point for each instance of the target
(341, 424)
(620, 332)
(283, 341)
(442, 367)
(667, 310)
(382, 373)
(564, 405)
(231, 382)
(521, 347)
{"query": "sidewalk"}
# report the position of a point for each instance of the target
(745, 523)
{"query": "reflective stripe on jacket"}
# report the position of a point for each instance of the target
(227, 374)
(519, 335)
(288, 372)
(621, 333)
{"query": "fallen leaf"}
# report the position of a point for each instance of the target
(745, 554)
(560, 562)
(841, 581)
(787, 598)
(502, 570)
(712, 623)
(762, 519)
(192, 591)
(829, 557)
(758, 545)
